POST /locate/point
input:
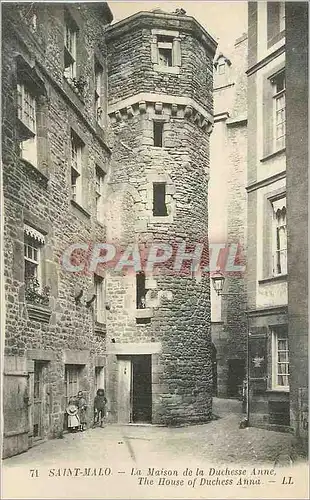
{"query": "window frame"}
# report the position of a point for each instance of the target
(70, 50)
(277, 249)
(76, 168)
(35, 241)
(279, 334)
(98, 94)
(158, 133)
(75, 371)
(277, 96)
(28, 146)
(99, 186)
(100, 301)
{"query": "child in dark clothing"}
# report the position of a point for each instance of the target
(100, 407)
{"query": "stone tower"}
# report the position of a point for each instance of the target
(158, 323)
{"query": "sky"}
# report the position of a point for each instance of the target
(225, 21)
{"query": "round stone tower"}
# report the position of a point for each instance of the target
(158, 324)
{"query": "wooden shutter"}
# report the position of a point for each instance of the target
(258, 359)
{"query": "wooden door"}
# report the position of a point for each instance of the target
(37, 399)
(124, 396)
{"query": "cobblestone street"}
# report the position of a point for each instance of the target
(122, 448)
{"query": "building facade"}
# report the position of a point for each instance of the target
(275, 273)
(74, 90)
(227, 209)
(54, 142)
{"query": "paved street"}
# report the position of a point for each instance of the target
(123, 450)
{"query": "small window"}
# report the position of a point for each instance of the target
(100, 177)
(70, 37)
(26, 109)
(279, 237)
(140, 291)
(99, 93)
(158, 128)
(99, 309)
(76, 168)
(33, 244)
(280, 359)
(159, 199)
(221, 69)
(278, 83)
(164, 45)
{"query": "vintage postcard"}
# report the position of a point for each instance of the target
(154, 250)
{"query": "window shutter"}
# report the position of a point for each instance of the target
(154, 51)
(176, 52)
(258, 359)
(273, 21)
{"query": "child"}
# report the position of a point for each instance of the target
(72, 412)
(82, 407)
(99, 407)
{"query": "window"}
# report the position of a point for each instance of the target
(76, 168)
(99, 93)
(278, 83)
(71, 381)
(221, 69)
(158, 128)
(166, 51)
(280, 359)
(70, 37)
(100, 175)
(140, 291)
(279, 237)
(99, 378)
(159, 199)
(100, 315)
(26, 108)
(33, 243)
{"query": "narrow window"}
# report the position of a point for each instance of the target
(98, 93)
(279, 237)
(100, 175)
(221, 69)
(99, 303)
(26, 109)
(164, 45)
(282, 16)
(71, 381)
(70, 36)
(140, 291)
(76, 168)
(33, 245)
(279, 110)
(280, 359)
(158, 128)
(159, 199)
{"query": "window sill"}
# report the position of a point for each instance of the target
(35, 170)
(270, 279)
(272, 155)
(144, 313)
(81, 209)
(171, 70)
(39, 313)
(160, 219)
(277, 391)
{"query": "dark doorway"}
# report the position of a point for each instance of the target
(236, 375)
(141, 388)
(214, 371)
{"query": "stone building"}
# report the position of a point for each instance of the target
(160, 111)
(54, 148)
(227, 209)
(74, 90)
(277, 213)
